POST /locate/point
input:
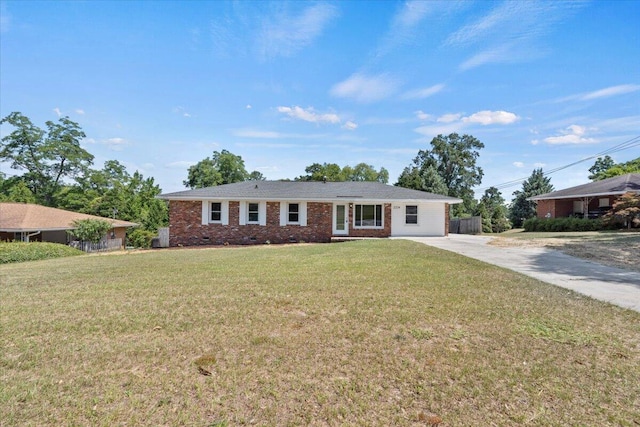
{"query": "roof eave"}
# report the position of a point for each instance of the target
(349, 199)
(580, 196)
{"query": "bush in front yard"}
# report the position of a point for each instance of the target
(140, 238)
(21, 251)
(563, 224)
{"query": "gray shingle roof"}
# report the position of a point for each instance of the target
(309, 191)
(611, 186)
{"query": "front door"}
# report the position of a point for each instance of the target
(340, 220)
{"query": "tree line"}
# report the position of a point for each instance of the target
(58, 172)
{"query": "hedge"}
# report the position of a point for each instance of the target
(564, 224)
(21, 251)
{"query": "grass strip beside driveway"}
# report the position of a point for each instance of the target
(386, 332)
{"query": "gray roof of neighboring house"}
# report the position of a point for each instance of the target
(610, 186)
(309, 191)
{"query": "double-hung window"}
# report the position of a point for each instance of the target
(411, 214)
(368, 216)
(293, 215)
(253, 213)
(216, 212)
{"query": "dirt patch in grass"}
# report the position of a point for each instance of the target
(615, 249)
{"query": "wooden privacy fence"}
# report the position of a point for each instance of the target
(101, 246)
(163, 236)
(471, 225)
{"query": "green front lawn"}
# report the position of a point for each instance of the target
(386, 332)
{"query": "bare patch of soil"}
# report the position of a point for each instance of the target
(616, 250)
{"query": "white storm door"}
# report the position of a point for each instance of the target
(340, 220)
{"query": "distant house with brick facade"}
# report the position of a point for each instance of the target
(255, 212)
(589, 200)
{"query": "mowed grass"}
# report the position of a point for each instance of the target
(372, 333)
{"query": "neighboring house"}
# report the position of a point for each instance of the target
(294, 211)
(588, 200)
(28, 222)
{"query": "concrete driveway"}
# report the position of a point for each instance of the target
(614, 285)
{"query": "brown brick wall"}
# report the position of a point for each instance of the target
(186, 227)
(562, 208)
(447, 210)
(371, 232)
(546, 206)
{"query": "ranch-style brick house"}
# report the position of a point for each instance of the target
(258, 212)
(589, 200)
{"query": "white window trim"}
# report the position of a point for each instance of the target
(302, 214)
(417, 214)
(369, 227)
(206, 212)
(244, 213)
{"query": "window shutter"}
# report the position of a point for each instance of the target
(225, 212)
(242, 220)
(303, 214)
(262, 213)
(205, 212)
(283, 213)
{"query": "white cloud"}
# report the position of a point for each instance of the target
(284, 35)
(539, 165)
(80, 111)
(487, 117)
(491, 55)
(180, 164)
(424, 92)
(421, 115)
(365, 89)
(449, 118)
(115, 144)
(600, 93)
(518, 164)
(573, 134)
(249, 133)
(611, 91)
(260, 134)
(309, 115)
(181, 111)
(350, 125)
(510, 30)
(248, 107)
(57, 111)
(535, 141)
(405, 24)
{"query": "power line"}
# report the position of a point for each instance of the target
(633, 142)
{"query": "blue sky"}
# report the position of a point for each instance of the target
(159, 86)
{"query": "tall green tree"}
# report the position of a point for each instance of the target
(46, 157)
(223, 167)
(521, 208)
(334, 173)
(493, 211)
(601, 165)
(454, 159)
(427, 180)
(606, 168)
(114, 193)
